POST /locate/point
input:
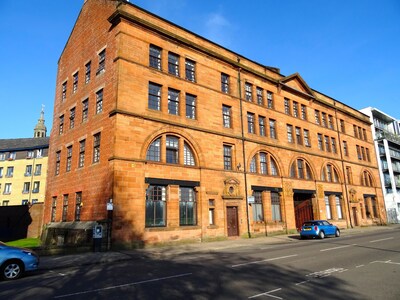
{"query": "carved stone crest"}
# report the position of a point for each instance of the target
(231, 189)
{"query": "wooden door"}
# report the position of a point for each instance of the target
(232, 221)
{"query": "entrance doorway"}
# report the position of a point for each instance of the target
(232, 221)
(303, 208)
(354, 210)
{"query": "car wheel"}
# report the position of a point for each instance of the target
(11, 270)
(321, 235)
(337, 233)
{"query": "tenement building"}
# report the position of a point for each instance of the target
(23, 168)
(386, 134)
(166, 136)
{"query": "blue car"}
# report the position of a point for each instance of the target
(15, 261)
(318, 228)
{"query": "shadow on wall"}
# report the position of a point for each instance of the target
(14, 222)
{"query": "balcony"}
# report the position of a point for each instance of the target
(388, 136)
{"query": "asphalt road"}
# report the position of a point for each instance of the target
(363, 266)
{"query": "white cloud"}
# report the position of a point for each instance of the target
(218, 29)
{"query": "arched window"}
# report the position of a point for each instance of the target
(153, 153)
(301, 169)
(263, 163)
(366, 179)
(188, 157)
(173, 152)
(330, 174)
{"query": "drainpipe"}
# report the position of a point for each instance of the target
(243, 149)
(343, 168)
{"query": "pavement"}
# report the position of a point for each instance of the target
(164, 252)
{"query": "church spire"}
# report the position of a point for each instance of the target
(40, 129)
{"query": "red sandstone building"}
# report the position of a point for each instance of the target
(191, 141)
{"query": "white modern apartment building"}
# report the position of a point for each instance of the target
(386, 134)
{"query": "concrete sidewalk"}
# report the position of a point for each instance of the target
(165, 252)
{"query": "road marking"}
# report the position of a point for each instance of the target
(122, 285)
(264, 260)
(325, 273)
(375, 241)
(303, 282)
(385, 262)
(359, 266)
(267, 294)
(339, 247)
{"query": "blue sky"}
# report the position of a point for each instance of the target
(347, 49)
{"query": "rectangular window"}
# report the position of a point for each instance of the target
(88, 68)
(359, 155)
(260, 96)
(349, 175)
(272, 129)
(38, 169)
(327, 145)
(155, 57)
(187, 206)
(355, 131)
(173, 102)
(53, 209)
(64, 91)
(28, 170)
(225, 83)
(12, 155)
(81, 162)
(345, 149)
(248, 87)
(303, 112)
(289, 129)
(7, 189)
(156, 197)
(72, 118)
(173, 64)
(368, 155)
(102, 62)
(227, 157)
(75, 82)
(261, 125)
(27, 186)
(10, 172)
(2, 156)
(276, 207)
(78, 206)
(306, 135)
(226, 116)
(270, 99)
(154, 96)
(211, 212)
(317, 117)
(250, 123)
(1, 172)
(364, 134)
(324, 122)
(299, 139)
(295, 109)
(320, 142)
(96, 147)
(172, 150)
(287, 106)
(30, 154)
(190, 70)
(330, 122)
(338, 208)
(65, 208)
(36, 187)
(333, 145)
(258, 213)
(99, 101)
(85, 110)
(191, 106)
(58, 161)
(328, 208)
(61, 124)
(342, 127)
(69, 158)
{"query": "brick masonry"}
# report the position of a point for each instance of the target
(128, 127)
